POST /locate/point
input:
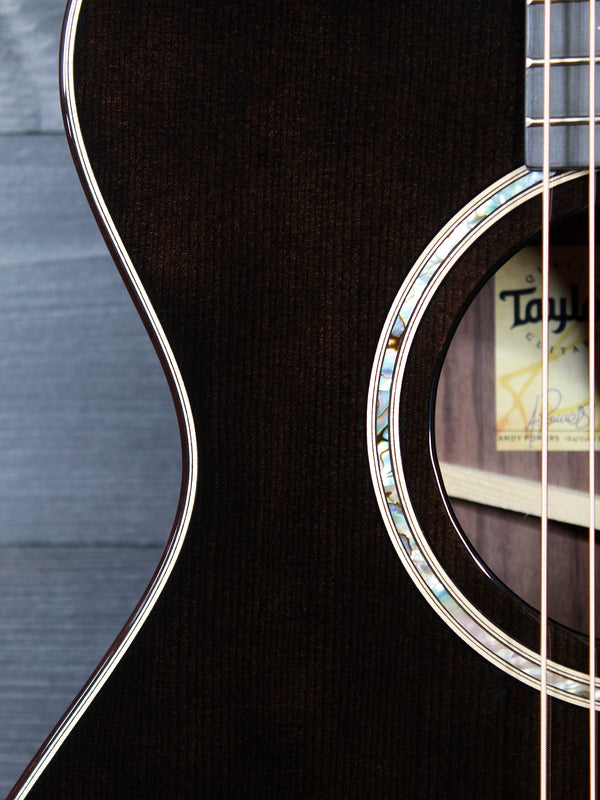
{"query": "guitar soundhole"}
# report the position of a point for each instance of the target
(487, 414)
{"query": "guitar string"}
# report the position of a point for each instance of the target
(592, 395)
(544, 421)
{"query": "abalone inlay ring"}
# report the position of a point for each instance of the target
(385, 441)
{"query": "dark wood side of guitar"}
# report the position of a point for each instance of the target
(274, 170)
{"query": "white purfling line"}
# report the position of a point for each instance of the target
(190, 460)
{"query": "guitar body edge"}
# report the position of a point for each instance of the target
(269, 174)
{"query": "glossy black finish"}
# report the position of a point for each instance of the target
(274, 172)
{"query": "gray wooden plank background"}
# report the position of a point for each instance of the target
(89, 450)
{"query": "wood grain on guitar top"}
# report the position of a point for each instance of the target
(274, 170)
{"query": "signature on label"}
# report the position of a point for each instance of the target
(577, 419)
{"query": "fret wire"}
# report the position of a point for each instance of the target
(568, 61)
(556, 2)
(536, 122)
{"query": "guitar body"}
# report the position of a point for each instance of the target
(274, 171)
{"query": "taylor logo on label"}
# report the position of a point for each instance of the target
(518, 348)
(561, 309)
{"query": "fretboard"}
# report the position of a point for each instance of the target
(569, 82)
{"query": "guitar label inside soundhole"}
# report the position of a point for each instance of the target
(488, 425)
(518, 351)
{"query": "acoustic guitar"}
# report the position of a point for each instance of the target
(320, 211)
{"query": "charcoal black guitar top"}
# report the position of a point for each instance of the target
(266, 175)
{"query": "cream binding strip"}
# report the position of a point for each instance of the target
(189, 456)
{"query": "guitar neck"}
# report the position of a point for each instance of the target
(569, 84)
